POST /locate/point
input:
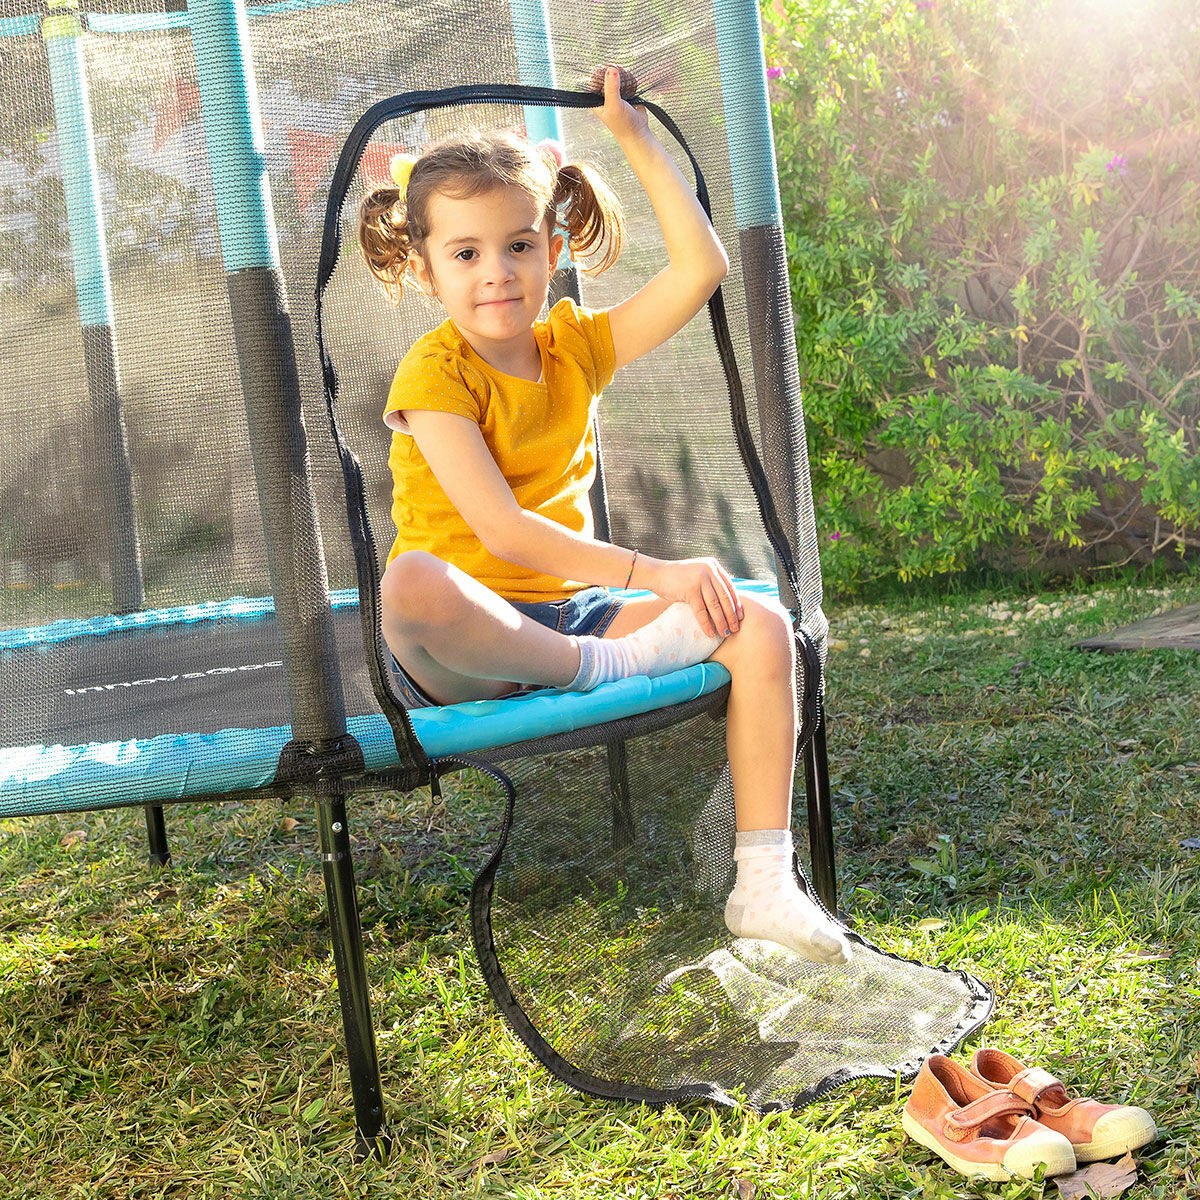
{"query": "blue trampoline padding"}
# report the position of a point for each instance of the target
(240, 608)
(460, 728)
(38, 779)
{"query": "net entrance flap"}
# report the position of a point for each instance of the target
(609, 954)
(599, 920)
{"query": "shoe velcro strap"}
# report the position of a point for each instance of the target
(1031, 1083)
(962, 1123)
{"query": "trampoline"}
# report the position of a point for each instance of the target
(197, 365)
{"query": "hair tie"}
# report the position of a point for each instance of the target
(400, 168)
(552, 149)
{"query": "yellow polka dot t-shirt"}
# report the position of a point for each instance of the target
(540, 435)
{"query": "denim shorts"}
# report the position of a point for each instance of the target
(590, 611)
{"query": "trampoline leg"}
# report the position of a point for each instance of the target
(622, 811)
(346, 935)
(156, 829)
(820, 818)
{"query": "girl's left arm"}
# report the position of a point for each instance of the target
(697, 260)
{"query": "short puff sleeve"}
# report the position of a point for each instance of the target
(583, 335)
(438, 380)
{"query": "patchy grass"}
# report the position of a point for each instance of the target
(1004, 803)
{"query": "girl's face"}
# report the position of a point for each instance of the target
(488, 259)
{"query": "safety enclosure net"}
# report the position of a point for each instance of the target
(189, 565)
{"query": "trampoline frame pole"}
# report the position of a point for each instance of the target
(822, 854)
(354, 994)
(93, 297)
(535, 66)
(321, 753)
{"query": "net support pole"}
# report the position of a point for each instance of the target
(93, 297)
(773, 347)
(535, 65)
(765, 275)
(93, 300)
(820, 818)
(271, 390)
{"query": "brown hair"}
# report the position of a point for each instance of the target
(392, 224)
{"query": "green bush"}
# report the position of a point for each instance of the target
(993, 227)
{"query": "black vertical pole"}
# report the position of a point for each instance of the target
(93, 298)
(156, 832)
(772, 335)
(820, 817)
(320, 752)
(350, 962)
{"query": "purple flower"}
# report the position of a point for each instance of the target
(1117, 164)
(926, 4)
(833, 537)
(774, 72)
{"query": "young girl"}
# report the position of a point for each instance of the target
(487, 585)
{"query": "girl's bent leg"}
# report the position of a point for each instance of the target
(459, 640)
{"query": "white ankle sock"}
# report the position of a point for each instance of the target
(766, 902)
(671, 641)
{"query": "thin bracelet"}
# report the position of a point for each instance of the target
(632, 564)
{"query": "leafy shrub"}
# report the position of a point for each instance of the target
(993, 226)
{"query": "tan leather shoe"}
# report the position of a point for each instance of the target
(979, 1129)
(1095, 1130)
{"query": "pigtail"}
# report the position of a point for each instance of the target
(590, 214)
(385, 238)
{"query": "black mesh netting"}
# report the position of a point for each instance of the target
(607, 950)
(599, 924)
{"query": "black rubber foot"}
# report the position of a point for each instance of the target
(380, 1146)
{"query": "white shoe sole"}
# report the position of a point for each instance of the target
(1055, 1152)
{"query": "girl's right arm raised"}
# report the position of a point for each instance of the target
(697, 260)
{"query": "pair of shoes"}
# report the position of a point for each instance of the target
(1000, 1118)
(979, 1129)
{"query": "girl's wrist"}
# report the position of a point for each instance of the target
(640, 147)
(643, 573)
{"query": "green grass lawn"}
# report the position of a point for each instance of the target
(1004, 803)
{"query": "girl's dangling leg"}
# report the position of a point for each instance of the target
(766, 901)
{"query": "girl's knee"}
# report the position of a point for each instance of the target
(765, 632)
(414, 587)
